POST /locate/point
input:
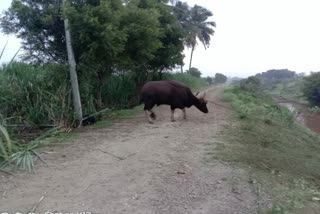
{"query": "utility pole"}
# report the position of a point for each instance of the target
(73, 73)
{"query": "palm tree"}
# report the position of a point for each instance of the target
(194, 22)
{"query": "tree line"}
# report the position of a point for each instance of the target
(308, 86)
(127, 41)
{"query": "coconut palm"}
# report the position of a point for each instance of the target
(194, 22)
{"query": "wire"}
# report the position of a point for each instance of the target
(254, 117)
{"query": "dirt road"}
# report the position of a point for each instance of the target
(136, 167)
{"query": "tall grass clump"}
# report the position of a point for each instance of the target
(14, 155)
(36, 95)
(187, 79)
(121, 92)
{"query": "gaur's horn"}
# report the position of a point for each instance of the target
(204, 95)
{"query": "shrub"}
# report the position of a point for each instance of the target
(195, 72)
(311, 88)
(220, 78)
(251, 84)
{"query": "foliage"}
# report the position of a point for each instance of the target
(37, 94)
(291, 90)
(120, 92)
(40, 26)
(283, 154)
(271, 78)
(219, 78)
(23, 156)
(191, 81)
(210, 80)
(311, 88)
(315, 109)
(194, 22)
(194, 72)
(5, 142)
(251, 84)
(142, 37)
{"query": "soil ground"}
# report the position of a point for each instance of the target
(136, 167)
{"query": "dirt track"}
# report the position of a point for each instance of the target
(136, 167)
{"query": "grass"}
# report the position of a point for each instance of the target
(21, 153)
(283, 156)
(23, 156)
(291, 90)
(117, 115)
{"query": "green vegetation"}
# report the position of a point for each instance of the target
(311, 88)
(38, 95)
(35, 95)
(15, 155)
(282, 155)
(220, 78)
(251, 84)
(217, 79)
(189, 80)
(138, 40)
(194, 72)
(195, 25)
(271, 78)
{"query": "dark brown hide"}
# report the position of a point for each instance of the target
(172, 93)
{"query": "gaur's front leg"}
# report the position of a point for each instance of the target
(184, 113)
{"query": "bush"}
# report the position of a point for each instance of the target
(311, 88)
(251, 84)
(120, 92)
(195, 72)
(220, 78)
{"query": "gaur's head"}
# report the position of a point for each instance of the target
(202, 105)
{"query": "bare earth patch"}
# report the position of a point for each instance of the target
(136, 167)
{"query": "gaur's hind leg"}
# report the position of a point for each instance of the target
(148, 107)
(153, 115)
(148, 116)
(172, 115)
(184, 113)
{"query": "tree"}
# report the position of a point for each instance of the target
(99, 39)
(311, 88)
(194, 22)
(251, 84)
(271, 78)
(209, 80)
(194, 72)
(219, 78)
(40, 26)
(161, 51)
(140, 38)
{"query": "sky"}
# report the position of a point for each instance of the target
(251, 36)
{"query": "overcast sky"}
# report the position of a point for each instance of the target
(252, 36)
